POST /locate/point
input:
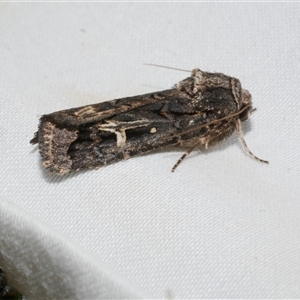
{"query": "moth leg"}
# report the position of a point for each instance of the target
(198, 144)
(238, 125)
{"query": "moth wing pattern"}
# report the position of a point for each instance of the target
(202, 109)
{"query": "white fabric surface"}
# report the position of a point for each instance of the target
(223, 225)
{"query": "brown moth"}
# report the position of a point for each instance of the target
(201, 110)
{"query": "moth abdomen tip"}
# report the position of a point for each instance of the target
(34, 140)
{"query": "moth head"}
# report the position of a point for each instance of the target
(246, 105)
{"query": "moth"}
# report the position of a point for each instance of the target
(201, 110)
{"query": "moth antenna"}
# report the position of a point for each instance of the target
(186, 154)
(160, 66)
(239, 129)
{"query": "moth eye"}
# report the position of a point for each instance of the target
(245, 114)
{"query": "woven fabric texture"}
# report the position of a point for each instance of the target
(221, 226)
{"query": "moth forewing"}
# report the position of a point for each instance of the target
(202, 109)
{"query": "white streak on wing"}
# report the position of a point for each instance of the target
(120, 133)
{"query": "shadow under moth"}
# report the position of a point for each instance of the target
(201, 110)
